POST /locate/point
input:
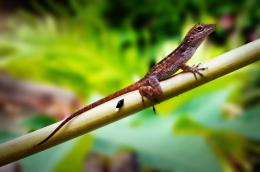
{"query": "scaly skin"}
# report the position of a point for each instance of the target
(149, 86)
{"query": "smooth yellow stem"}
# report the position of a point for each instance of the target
(106, 113)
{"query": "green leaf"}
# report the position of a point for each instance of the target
(75, 158)
(206, 108)
(156, 146)
(227, 145)
(246, 124)
(185, 124)
(47, 160)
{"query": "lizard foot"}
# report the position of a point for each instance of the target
(195, 69)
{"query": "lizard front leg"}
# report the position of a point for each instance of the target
(193, 69)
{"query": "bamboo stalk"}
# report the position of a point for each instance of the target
(106, 113)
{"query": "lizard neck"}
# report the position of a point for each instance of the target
(185, 52)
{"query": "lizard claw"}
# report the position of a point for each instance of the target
(195, 70)
(154, 110)
(198, 67)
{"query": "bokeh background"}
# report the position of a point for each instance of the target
(56, 56)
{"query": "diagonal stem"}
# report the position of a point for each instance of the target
(106, 113)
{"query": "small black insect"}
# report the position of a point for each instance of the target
(120, 104)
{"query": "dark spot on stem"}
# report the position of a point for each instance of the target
(120, 104)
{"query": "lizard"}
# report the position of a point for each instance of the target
(149, 85)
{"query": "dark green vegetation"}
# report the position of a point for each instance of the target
(97, 47)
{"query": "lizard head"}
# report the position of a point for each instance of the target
(198, 33)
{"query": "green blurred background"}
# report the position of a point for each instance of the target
(56, 56)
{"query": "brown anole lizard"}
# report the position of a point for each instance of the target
(149, 86)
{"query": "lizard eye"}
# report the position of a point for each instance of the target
(199, 28)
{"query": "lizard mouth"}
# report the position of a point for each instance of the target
(211, 28)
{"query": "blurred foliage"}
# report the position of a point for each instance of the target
(7, 135)
(59, 57)
(234, 151)
(75, 158)
(155, 143)
(48, 159)
(97, 47)
(36, 122)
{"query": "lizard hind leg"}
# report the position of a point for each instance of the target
(152, 91)
(147, 91)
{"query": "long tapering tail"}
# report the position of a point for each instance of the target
(130, 88)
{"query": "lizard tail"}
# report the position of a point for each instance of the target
(59, 127)
(93, 105)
